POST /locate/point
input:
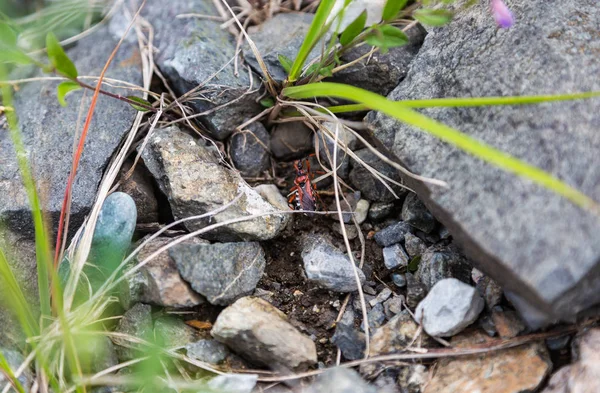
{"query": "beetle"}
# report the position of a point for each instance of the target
(303, 195)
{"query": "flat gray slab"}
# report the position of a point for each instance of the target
(47, 130)
(532, 241)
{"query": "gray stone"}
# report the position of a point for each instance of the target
(193, 52)
(347, 205)
(378, 211)
(371, 188)
(249, 150)
(361, 211)
(558, 343)
(413, 245)
(394, 256)
(415, 290)
(48, 129)
(271, 194)
(222, 272)
(448, 308)
(258, 331)
(112, 237)
(136, 322)
(376, 316)
(506, 223)
(380, 73)
(325, 144)
(139, 187)
(328, 267)
(291, 141)
(189, 173)
(209, 351)
(416, 214)
(413, 378)
(340, 380)
(290, 30)
(382, 297)
(399, 279)
(490, 291)
(172, 332)
(233, 383)
(159, 280)
(397, 335)
(392, 234)
(14, 360)
(351, 230)
(349, 340)
(393, 306)
(440, 262)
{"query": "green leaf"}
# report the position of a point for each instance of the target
(59, 58)
(433, 17)
(8, 37)
(392, 9)
(327, 71)
(401, 111)
(413, 265)
(285, 62)
(141, 108)
(313, 68)
(354, 29)
(267, 102)
(311, 38)
(65, 88)
(14, 56)
(385, 37)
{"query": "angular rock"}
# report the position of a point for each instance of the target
(440, 262)
(290, 30)
(328, 267)
(504, 222)
(507, 322)
(397, 334)
(14, 360)
(380, 73)
(349, 340)
(582, 375)
(139, 187)
(258, 331)
(137, 322)
(378, 211)
(46, 127)
(195, 183)
(347, 205)
(394, 256)
(196, 52)
(233, 383)
(371, 188)
(415, 290)
(222, 272)
(209, 351)
(393, 306)
(249, 150)
(383, 296)
(159, 281)
(448, 308)
(376, 316)
(392, 234)
(413, 245)
(516, 370)
(490, 291)
(340, 380)
(325, 142)
(291, 141)
(172, 332)
(416, 214)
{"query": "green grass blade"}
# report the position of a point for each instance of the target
(448, 134)
(42, 245)
(311, 38)
(5, 368)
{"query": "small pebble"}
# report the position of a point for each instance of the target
(399, 280)
(394, 256)
(362, 210)
(382, 297)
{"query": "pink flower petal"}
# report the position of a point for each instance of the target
(502, 14)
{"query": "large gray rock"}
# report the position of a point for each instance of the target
(48, 130)
(258, 331)
(191, 52)
(532, 241)
(136, 322)
(328, 267)
(223, 272)
(190, 174)
(449, 307)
